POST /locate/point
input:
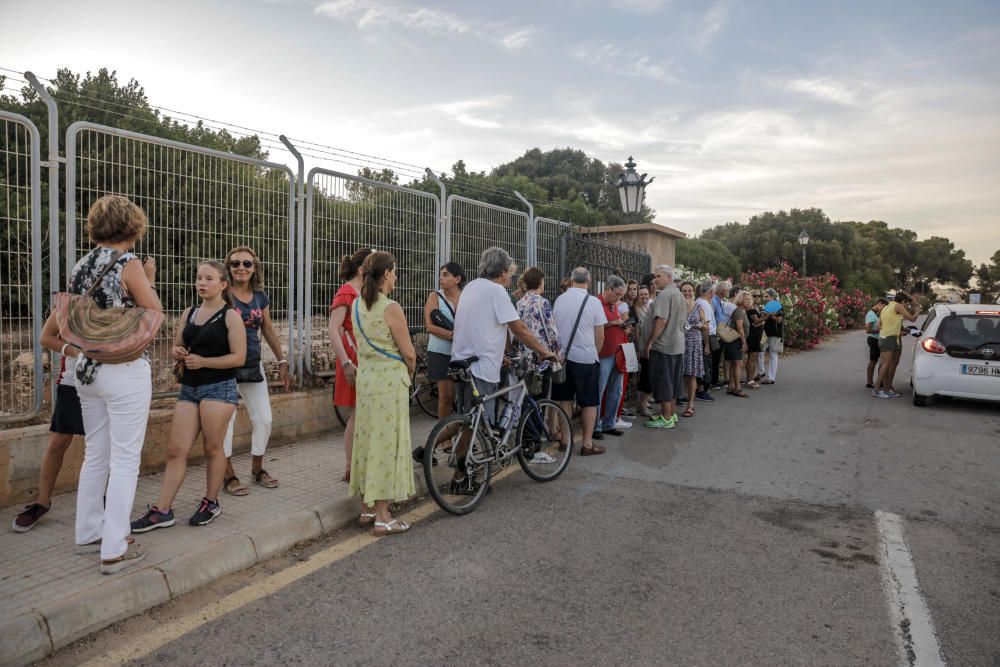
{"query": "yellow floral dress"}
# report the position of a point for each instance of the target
(381, 463)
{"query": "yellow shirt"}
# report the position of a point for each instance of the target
(892, 322)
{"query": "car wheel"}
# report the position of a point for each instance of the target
(920, 400)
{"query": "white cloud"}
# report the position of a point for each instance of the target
(711, 23)
(610, 58)
(827, 90)
(367, 15)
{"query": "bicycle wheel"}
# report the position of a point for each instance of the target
(443, 444)
(343, 414)
(542, 454)
(423, 391)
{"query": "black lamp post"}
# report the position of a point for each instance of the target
(803, 241)
(632, 188)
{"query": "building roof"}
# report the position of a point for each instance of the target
(637, 227)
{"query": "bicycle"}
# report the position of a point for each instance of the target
(422, 391)
(542, 438)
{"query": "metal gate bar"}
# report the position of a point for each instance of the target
(476, 226)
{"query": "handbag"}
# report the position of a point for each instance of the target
(559, 376)
(250, 373)
(438, 318)
(179, 367)
(106, 335)
(726, 332)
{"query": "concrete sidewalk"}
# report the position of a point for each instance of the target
(50, 596)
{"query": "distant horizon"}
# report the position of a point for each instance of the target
(736, 109)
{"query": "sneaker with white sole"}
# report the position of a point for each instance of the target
(623, 425)
(878, 393)
(207, 511)
(543, 457)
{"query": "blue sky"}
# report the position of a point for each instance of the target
(869, 110)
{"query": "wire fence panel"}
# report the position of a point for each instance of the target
(551, 239)
(476, 226)
(21, 377)
(200, 204)
(346, 213)
(603, 257)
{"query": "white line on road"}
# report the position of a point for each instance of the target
(911, 619)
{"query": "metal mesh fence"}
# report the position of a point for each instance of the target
(602, 257)
(476, 226)
(552, 237)
(21, 380)
(346, 213)
(200, 203)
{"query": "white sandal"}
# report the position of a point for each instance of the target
(133, 554)
(366, 519)
(388, 527)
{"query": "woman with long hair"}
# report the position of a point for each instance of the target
(344, 344)
(210, 344)
(252, 303)
(695, 345)
(381, 466)
(114, 398)
(451, 280)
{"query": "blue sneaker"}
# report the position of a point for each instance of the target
(703, 396)
(207, 511)
(153, 518)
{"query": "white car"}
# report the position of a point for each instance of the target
(957, 353)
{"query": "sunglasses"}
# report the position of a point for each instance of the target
(235, 264)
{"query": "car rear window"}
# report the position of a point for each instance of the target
(969, 331)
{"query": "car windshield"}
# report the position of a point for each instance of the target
(969, 331)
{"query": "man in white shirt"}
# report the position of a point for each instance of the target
(583, 370)
(481, 325)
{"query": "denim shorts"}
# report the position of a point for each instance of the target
(224, 392)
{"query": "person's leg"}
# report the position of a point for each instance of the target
(128, 392)
(214, 417)
(588, 417)
(737, 369)
(607, 366)
(892, 369)
(870, 372)
(234, 486)
(446, 398)
(257, 398)
(184, 429)
(692, 388)
(716, 364)
(751, 366)
(52, 461)
(772, 362)
(96, 464)
(612, 398)
(349, 442)
(884, 366)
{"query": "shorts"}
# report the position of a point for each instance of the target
(889, 344)
(733, 351)
(666, 374)
(753, 345)
(643, 384)
(67, 416)
(437, 366)
(873, 352)
(485, 389)
(223, 391)
(582, 383)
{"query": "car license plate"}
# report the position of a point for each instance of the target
(972, 369)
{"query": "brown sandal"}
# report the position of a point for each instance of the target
(689, 412)
(269, 483)
(593, 450)
(238, 490)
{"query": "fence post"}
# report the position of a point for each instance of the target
(443, 233)
(296, 313)
(531, 242)
(53, 166)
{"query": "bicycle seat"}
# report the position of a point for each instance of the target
(415, 330)
(461, 364)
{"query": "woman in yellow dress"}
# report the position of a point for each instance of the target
(381, 466)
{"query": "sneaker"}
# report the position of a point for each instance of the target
(672, 422)
(27, 519)
(703, 396)
(623, 425)
(656, 422)
(627, 413)
(153, 518)
(543, 457)
(878, 393)
(207, 511)
(645, 412)
(893, 394)
(869, 386)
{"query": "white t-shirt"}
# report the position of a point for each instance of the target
(622, 308)
(566, 309)
(481, 327)
(706, 309)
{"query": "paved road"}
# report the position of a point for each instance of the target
(745, 536)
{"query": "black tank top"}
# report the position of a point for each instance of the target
(211, 339)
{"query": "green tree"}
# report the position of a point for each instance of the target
(707, 256)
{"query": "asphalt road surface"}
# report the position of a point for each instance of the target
(745, 536)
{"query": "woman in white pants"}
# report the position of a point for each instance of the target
(114, 398)
(774, 328)
(253, 304)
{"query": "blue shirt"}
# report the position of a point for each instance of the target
(872, 319)
(718, 309)
(252, 315)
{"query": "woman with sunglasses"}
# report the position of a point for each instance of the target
(246, 285)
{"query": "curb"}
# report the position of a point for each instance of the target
(37, 634)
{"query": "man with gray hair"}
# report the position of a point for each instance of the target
(615, 334)
(580, 320)
(665, 347)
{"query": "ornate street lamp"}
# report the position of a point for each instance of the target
(803, 241)
(896, 271)
(632, 188)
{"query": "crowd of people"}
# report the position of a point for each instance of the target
(676, 343)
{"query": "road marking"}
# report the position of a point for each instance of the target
(913, 627)
(162, 635)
